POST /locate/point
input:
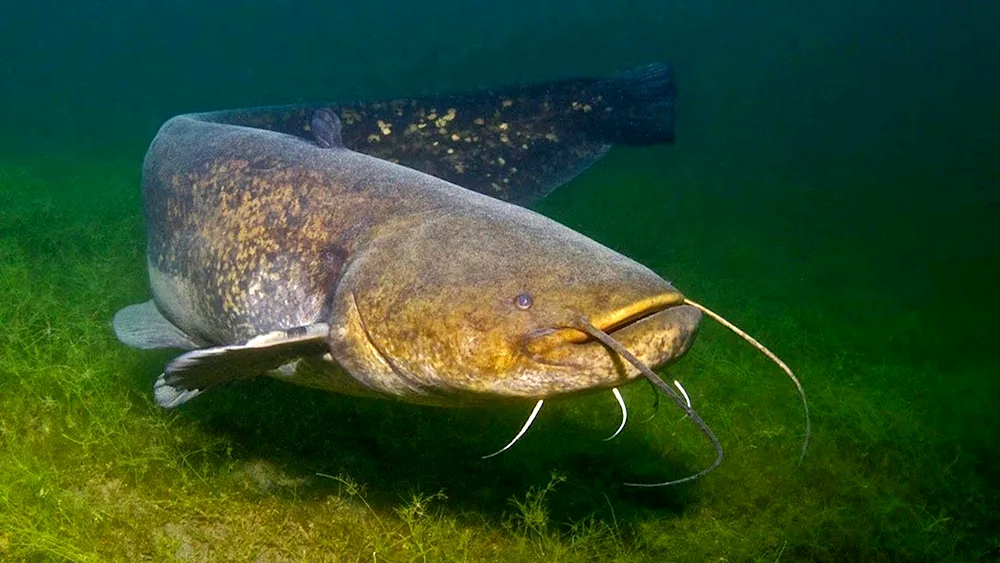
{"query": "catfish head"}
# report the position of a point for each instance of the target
(492, 303)
(499, 302)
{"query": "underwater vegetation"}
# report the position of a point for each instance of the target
(93, 471)
(833, 191)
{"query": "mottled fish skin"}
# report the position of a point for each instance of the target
(252, 177)
(199, 216)
(263, 223)
(252, 231)
(259, 222)
(515, 144)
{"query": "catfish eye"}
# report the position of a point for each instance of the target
(523, 301)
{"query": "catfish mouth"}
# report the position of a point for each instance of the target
(621, 323)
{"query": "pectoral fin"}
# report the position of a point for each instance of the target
(191, 373)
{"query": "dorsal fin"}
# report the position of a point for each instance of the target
(326, 129)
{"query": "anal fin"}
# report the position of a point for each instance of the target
(190, 373)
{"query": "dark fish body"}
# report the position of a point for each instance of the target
(515, 143)
(290, 241)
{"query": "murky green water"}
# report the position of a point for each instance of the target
(833, 190)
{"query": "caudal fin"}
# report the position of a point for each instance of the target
(636, 106)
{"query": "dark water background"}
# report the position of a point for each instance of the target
(836, 120)
(846, 126)
(836, 159)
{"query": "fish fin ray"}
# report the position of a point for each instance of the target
(168, 396)
(193, 372)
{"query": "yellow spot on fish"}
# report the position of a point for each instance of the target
(385, 127)
(351, 116)
(455, 136)
(444, 119)
(373, 138)
(451, 150)
(479, 121)
(504, 139)
(503, 126)
(432, 116)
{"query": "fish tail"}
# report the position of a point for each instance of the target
(635, 107)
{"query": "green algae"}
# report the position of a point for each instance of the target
(91, 470)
